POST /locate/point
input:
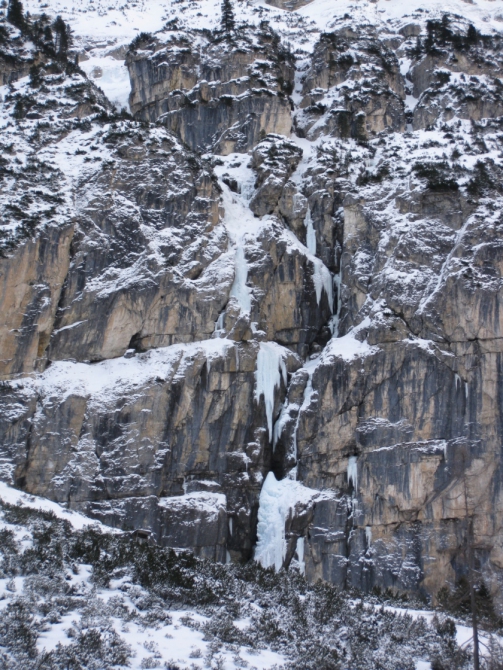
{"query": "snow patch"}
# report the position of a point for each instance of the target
(347, 347)
(112, 76)
(78, 521)
(105, 380)
(204, 501)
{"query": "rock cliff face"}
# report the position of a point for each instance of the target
(254, 342)
(217, 92)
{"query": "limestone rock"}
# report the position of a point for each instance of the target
(352, 89)
(31, 281)
(274, 160)
(144, 429)
(138, 276)
(224, 97)
(178, 327)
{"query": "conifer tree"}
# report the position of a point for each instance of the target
(227, 21)
(62, 36)
(15, 13)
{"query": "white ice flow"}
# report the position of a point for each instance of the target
(310, 232)
(353, 472)
(239, 289)
(241, 227)
(277, 501)
(111, 75)
(270, 369)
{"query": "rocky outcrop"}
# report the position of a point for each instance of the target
(274, 160)
(30, 288)
(456, 73)
(353, 88)
(400, 414)
(144, 257)
(290, 5)
(141, 276)
(105, 437)
(225, 96)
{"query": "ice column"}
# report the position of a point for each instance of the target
(323, 281)
(273, 507)
(277, 500)
(270, 368)
(310, 233)
(353, 472)
(239, 289)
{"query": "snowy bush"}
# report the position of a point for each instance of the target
(315, 627)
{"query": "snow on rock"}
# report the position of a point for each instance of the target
(205, 501)
(347, 348)
(271, 369)
(12, 496)
(104, 380)
(277, 501)
(112, 76)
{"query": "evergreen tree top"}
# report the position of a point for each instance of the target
(227, 20)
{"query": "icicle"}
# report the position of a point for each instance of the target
(444, 448)
(308, 392)
(323, 281)
(353, 472)
(219, 326)
(280, 423)
(310, 233)
(270, 368)
(368, 536)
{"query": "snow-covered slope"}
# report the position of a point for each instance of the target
(103, 30)
(72, 595)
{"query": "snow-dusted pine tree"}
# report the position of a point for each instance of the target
(227, 20)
